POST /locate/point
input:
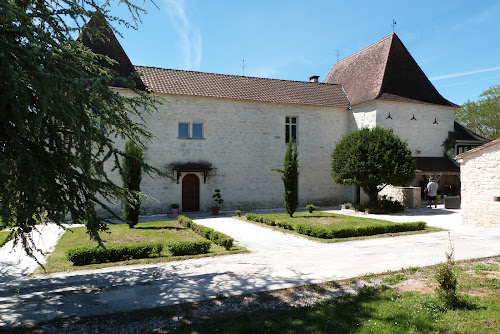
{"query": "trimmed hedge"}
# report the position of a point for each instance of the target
(346, 232)
(188, 247)
(88, 255)
(216, 237)
(359, 231)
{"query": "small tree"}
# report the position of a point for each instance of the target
(372, 159)
(132, 175)
(290, 177)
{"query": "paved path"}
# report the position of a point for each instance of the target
(278, 260)
(14, 263)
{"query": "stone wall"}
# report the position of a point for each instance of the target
(242, 141)
(480, 179)
(409, 196)
(422, 135)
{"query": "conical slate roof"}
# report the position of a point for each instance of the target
(109, 46)
(384, 70)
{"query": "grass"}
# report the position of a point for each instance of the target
(160, 231)
(379, 309)
(3, 237)
(333, 220)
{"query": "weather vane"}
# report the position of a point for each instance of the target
(393, 24)
(338, 55)
(243, 67)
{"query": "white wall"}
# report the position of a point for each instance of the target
(421, 134)
(480, 178)
(243, 140)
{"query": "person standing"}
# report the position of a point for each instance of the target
(431, 190)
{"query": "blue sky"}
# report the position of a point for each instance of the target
(456, 43)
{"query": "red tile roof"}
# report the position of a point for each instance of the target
(384, 70)
(192, 83)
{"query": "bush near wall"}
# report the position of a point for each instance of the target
(216, 237)
(89, 255)
(346, 232)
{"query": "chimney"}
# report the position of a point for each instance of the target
(314, 78)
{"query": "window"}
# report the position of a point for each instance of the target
(197, 130)
(188, 130)
(290, 129)
(183, 130)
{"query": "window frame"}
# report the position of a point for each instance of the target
(179, 130)
(190, 130)
(193, 132)
(291, 126)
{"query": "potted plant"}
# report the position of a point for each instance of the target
(175, 208)
(218, 199)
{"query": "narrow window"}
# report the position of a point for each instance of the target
(291, 129)
(183, 130)
(197, 130)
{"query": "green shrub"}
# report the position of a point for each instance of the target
(253, 217)
(131, 177)
(310, 208)
(184, 221)
(447, 281)
(382, 205)
(359, 231)
(189, 247)
(89, 255)
(238, 212)
(216, 237)
(285, 225)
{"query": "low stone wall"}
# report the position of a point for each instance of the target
(409, 196)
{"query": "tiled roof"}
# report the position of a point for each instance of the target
(462, 133)
(109, 46)
(436, 165)
(384, 70)
(192, 83)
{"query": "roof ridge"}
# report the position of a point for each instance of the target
(381, 83)
(239, 76)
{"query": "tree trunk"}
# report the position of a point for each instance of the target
(372, 193)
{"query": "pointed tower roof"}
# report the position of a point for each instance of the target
(384, 70)
(108, 45)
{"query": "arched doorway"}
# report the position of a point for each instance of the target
(190, 193)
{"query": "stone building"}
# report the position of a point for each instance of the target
(227, 131)
(480, 176)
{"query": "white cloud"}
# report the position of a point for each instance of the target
(189, 35)
(454, 75)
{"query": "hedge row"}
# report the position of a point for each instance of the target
(260, 219)
(216, 237)
(359, 231)
(189, 248)
(88, 255)
(345, 232)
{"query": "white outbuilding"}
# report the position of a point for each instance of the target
(480, 185)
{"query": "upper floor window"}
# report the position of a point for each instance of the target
(191, 130)
(291, 129)
(183, 130)
(197, 130)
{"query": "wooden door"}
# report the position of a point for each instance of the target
(190, 193)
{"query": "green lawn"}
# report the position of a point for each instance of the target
(3, 237)
(379, 309)
(161, 231)
(333, 220)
